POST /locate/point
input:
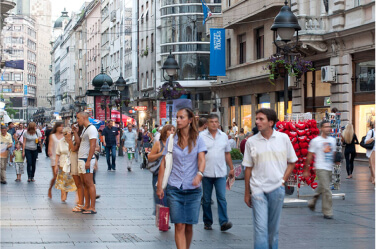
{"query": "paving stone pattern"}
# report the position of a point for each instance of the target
(124, 219)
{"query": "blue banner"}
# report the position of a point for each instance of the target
(25, 89)
(217, 52)
(15, 64)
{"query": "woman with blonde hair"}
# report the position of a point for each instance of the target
(349, 139)
(29, 148)
(184, 184)
(64, 181)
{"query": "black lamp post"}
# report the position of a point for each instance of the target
(285, 25)
(171, 66)
(120, 84)
(105, 89)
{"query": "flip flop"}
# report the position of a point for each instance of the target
(89, 212)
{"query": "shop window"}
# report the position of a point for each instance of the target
(242, 48)
(365, 76)
(363, 115)
(246, 113)
(232, 112)
(260, 43)
(322, 89)
(263, 101)
(281, 105)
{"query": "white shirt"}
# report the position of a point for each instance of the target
(215, 157)
(232, 143)
(129, 138)
(157, 136)
(235, 130)
(324, 149)
(88, 133)
(369, 135)
(269, 160)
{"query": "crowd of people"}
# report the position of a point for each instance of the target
(200, 157)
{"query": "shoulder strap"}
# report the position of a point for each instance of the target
(170, 145)
(162, 146)
(21, 134)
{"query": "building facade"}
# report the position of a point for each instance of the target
(20, 85)
(334, 33)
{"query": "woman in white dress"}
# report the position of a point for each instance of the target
(54, 139)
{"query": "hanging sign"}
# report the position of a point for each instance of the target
(217, 52)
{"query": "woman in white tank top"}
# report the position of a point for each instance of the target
(54, 139)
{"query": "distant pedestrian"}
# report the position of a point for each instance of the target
(47, 134)
(371, 153)
(86, 160)
(130, 141)
(349, 139)
(235, 130)
(138, 145)
(155, 129)
(157, 134)
(217, 156)
(6, 143)
(202, 124)
(323, 148)
(12, 132)
(55, 137)
(184, 184)
(244, 141)
(18, 161)
(231, 142)
(64, 181)
(20, 132)
(269, 159)
(156, 154)
(110, 141)
(29, 149)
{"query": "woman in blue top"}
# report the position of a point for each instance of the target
(184, 185)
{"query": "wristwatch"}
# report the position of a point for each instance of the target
(200, 173)
(283, 182)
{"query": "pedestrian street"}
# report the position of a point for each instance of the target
(124, 219)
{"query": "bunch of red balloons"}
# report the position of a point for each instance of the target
(300, 134)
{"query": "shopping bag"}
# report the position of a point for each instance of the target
(162, 217)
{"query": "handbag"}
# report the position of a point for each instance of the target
(168, 162)
(162, 216)
(154, 166)
(367, 146)
(39, 148)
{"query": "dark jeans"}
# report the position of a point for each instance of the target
(349, 157)
(46, 149)
(156, 199)
(220, 190)
(31, 159)
(113, 152)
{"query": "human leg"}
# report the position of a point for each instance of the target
(52, 182)
(372, 163)
(3, 165)
(260, 219)
(220, 190)
(353, 155)
(325, 177)
(86, 193)
(275, 203)
(34, 154)
(80, 189)
(347, 158)
(113, 152)
(188, 234)
(28, 163)
(180, 239)
(88, 177)
(207, 185)
(319, 190)
(108, 149)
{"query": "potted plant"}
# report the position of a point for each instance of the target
(301, 66)
(146, 52)
(237, 158)
(171, 91)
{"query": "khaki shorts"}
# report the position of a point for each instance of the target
(74, 163)
(81, 165)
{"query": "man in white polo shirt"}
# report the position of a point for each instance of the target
(269, 159)
(215, 172)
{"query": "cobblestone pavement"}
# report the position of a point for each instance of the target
(124, 219)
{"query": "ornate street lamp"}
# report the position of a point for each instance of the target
(105, 89)
(171, 67)
(120, 84)
(285, 25)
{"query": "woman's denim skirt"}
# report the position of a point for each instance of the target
(184, 204)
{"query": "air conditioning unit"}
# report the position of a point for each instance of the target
(328, 74)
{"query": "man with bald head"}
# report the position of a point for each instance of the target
(86, 160)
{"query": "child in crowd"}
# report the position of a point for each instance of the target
(19, 161)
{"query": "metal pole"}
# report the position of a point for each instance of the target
(170, 101)
(105, 109)
(286, 88)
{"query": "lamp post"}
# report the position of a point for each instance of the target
(105, 89)
(285, 25)
(171, 66)
(120, 84)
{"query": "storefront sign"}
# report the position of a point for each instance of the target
(25, 89)
(140, 108)
(217, 52)
(162, 110)
(99, 113)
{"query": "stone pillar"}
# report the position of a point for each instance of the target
(302, 8)
(273, 101)
(254, 108)
(237, 111)
(341, 90)
(225, 114)
(297, 99)
(312, 8)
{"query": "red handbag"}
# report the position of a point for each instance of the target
(162, 215)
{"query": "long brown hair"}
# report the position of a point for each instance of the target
(32, 128)
(192, 133)
(57, 125)
(164, 131)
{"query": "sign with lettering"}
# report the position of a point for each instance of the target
(140, 108)
(217, 52)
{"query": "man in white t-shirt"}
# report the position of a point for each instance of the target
(323, 147)
(86, 159)
(269, 159)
